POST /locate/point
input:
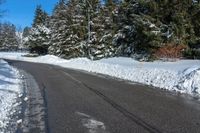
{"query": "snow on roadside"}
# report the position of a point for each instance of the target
(182, 76)
(9, 92)
(190, 81)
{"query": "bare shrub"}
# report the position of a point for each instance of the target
(170, 51)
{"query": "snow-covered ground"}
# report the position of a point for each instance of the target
(182, 76)
(10, 90)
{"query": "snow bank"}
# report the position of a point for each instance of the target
(182, 76)
(190, 81)
(9, 92)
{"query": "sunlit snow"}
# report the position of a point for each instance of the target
(181, 76)
(9, 92)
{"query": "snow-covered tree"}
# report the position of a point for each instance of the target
(19, 35)
(37, 41)
(39, 36)
(41, 17)
(139, 32)
(102, 31)
(8, 38)
(68, 31)
(26, 32)
(99, 29)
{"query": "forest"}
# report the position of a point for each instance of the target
(141, 29)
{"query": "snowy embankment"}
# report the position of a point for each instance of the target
(182, 76)
(10, 90)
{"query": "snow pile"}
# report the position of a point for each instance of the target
(12, 55)
(9, 92)
(182, 76)
(136, 72)
(47, 59)
(190, 81)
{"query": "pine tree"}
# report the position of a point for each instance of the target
(8, 37)
(195, 20)
(26, 32)
(41, 17)
(58, 26)
(68, 32)
(147, 25)
(130, 34)
(101, 29)
(88, 28)
(1, 35)
(38, 39)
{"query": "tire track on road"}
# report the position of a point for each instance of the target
(125, 112)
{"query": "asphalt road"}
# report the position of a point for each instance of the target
(80, 102)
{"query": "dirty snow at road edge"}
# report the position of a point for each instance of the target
(10, 91)
(182, 76)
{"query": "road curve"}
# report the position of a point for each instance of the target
(81, 102)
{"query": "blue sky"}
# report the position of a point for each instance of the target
(21, 12)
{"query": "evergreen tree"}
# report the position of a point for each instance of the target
(68, 32)
(147, 25)
(8, 38)
(58, 20)
(41, 17)
(135, 29)
(195, 21)
(88, 28)
(101, 29)
(26, 32)
(38, 39)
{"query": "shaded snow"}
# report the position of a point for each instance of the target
(182, 76)
(9, 92)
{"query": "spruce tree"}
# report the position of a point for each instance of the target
(101, 31)
(38, 39)
(26, 32)
(58, 20)
(68, 32)
(88, 28)
(41, 17)
(8, 37)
